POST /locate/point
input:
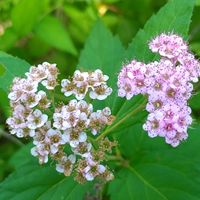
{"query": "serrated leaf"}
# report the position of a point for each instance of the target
(38, 182)
(175, 16)
(103, 51)
(156, 170)
(52, 31)
(10, 68)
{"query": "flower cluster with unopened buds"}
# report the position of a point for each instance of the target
(62, 131)
(168, 85)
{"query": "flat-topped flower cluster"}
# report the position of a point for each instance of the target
(168, 84)
(62, 131)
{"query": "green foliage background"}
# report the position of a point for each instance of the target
(104, 34)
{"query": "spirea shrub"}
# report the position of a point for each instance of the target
(125, 124)
(63, 131)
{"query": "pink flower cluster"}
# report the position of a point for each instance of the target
(53, 125)
(168, 86)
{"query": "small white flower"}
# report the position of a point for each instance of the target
(74, 138)
(44, 102)
(84, 145)
(54, 139)
(96, 78)
(31, 99)
(101, 92)
(80, 78)
(25, 132)
(66, 164)
(67, 87)
(50, 84)
(41, 152)
(30, 86)
(36, 119)
(83, 106)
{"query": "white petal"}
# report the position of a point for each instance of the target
(32, 133)
(74, 143)
(93, 95)
(34, 151)
(101, 97)
(12, 96)
(89, 177)
(68, 93)
(59, 168)
(54, 149)
(44, 118)
(82, 137)
(37, 113)
(72, 158)
(101, 169)
(66, 137)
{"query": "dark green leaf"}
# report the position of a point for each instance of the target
(35, 182)
(156, 170)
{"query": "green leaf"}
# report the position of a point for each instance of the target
(35, 182)
(8, 39)
(194, 101)
(25, 15)
(11, 67)
(175, 17)
(53, 32)
(22, 156)
(103, 51)
(156, 170)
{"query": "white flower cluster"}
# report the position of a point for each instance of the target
(82, 82)
(53, 125)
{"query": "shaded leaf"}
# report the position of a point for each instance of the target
(38, 182)
(25, 15)
(52, 31)
(157, 171)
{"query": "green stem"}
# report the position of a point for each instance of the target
(10, 137)
(52, 95)
(139, 108)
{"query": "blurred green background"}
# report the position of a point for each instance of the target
(56, 30)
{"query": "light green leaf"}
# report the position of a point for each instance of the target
(8, 39)
(10, 68)
(25, 15)
(53, 32)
